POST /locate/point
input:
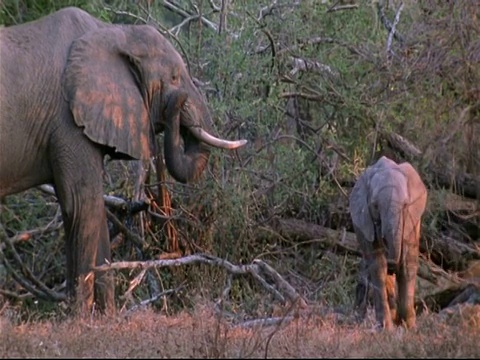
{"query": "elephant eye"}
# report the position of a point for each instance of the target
(175, 78)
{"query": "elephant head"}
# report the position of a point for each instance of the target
(386, 206)
(118, 81)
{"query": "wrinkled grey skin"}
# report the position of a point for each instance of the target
(74, 89)
(386, 206)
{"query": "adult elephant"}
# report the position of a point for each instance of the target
(386, 206)
(74, 89)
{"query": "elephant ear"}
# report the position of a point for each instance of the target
(102, 85)
(359, 210)
(417, 197)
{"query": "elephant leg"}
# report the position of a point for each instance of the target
(378, 275)
(406, 279)
(390, 284)
(77, 168)
(361, 293)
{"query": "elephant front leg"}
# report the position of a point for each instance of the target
(79, 188)
(87, 245)
(378, 275)
(406, 279)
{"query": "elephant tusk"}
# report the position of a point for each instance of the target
(207, 138)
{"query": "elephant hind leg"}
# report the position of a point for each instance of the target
(390, 285)
(378, 275)
(87, 245)
(361, 292)
(406, 280)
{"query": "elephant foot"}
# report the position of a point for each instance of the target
(380, 327)
(84, 297)
(104, 294)
(409, 323)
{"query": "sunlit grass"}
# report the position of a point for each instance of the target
(202, 334)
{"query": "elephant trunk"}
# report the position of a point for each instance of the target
(184, 162)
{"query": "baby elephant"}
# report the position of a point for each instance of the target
(386, 206)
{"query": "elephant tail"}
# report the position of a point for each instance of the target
(393, 260)
(394, 247)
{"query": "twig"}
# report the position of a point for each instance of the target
(266, 10)
(122, 12)
(53, 225)
(342, 7)
(392, 31)
(130, 234)
(387, 24)
(154, 298)
(44, 291)
(301, 64)
(26, 284)
(211, 25)
(225, 293)
(321, 40)
(135, 282)
(268, 287)
(288, 94)
(270, 39)
(213, 6)
(281, 282)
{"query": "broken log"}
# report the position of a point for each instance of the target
(464, 184)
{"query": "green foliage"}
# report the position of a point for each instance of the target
(19, 11)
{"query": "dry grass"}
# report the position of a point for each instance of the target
(146, 334)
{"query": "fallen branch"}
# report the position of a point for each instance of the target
(265, 322)
(466, 184)
(130, 207)
(336, 7)
(305, 231)
(258, 269)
